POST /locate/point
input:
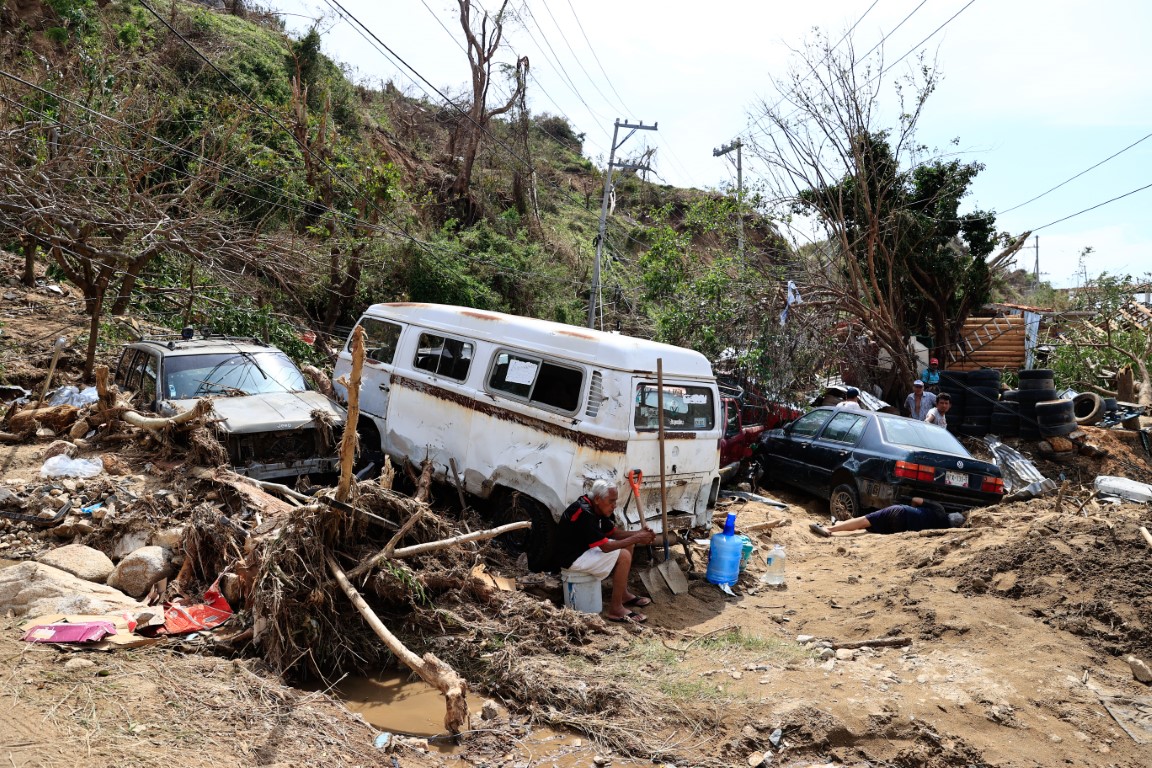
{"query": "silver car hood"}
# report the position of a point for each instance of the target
(263, 413)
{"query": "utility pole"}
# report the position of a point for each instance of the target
(1036, 269)
(736, 145)
(594, 295)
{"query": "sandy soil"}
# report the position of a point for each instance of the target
(1017, 631)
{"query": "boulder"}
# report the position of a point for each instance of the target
(36, 589)
(129, 543)
(137, 572)
(81, 561)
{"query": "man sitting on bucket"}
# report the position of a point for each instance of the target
(589, 542)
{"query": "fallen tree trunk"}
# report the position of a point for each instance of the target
(430, 669)
(152, 423)
(879, 642)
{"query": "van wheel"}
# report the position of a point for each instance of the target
(844, 502)
(539, 541)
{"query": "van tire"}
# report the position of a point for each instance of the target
(537, 542)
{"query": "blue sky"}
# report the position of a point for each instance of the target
(1037, 92)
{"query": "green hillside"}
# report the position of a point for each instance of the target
(191, 166)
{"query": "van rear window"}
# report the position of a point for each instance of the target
(686, 409)
(537, 380)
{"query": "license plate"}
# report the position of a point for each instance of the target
(956, 478)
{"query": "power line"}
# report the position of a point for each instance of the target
(1086, 170)
(1094, 207)
(597, 58)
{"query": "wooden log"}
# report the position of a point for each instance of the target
(153, 423)
(433, 546)
(348, 442)
(249, 489)
(57, 417)
(430, 669)
(880, 642)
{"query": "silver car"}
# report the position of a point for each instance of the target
(271, 424)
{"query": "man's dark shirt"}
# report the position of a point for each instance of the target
(904, 517)
(580, 529)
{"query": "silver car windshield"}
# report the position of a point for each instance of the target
(230, 374)
(916, 434)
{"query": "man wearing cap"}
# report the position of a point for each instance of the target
(917, 404)
(931, 376)
(851, 399)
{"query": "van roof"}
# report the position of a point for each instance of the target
(585, 345)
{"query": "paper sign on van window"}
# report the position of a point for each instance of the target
(696, 399)
(521, 372)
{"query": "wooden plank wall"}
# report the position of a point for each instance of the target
(1004, 351)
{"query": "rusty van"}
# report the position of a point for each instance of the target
(533, 412)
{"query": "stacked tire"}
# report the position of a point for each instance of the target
(1055, 418)
(980, 398)
(1037, 385)
(955, 383)
(1006, 415)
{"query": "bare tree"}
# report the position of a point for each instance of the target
(482, 37)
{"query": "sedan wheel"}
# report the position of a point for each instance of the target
(844, 503)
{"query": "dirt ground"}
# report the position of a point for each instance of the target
(1012, 639)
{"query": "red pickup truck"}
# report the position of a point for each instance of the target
(744, 422)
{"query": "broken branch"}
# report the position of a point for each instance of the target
(430, 669)
(879, 642)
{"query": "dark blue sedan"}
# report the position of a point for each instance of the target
(861, 460)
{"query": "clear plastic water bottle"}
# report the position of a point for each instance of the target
(777, 558)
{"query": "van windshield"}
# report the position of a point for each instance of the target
(686, 408)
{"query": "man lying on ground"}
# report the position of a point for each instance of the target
(921, 515)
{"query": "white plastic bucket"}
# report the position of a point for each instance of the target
(581, 592)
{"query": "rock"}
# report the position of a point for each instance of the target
(78, 663)
(601, 760)
(59, 448)
(114, 465)
(129, 543)
(845, 654)
(737, 675)
(1140, 669)
(45, 433)
(802, 639)
(829, 665)
(137, 572)
(756, 759)
(825, 654)
(80, 561)
(490, 710)
(37, 589)
(10, 499)
(169, 538)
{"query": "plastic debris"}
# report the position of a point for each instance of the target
(73, 396)
(1125, 488)
(382, 740)
(63, 466)
(66, 632)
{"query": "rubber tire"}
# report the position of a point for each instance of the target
(1006, 406)
(1031, 385)
(1050, 412)
(1058, 430)
(972, 430)
(1036, 373)
(982, 399)
(1004, 425)
(984, 377)
(539, 541)
(844, 500)
(1089, 408)
(1011, 395)
(1110, 404)
(953, 379)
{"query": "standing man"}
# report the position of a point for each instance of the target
(917, 404)
(589, 542)
(939, 414)
(931, 376)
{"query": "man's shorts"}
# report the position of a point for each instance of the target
(596, 562)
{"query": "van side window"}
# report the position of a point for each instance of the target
(537, 381)
(443, 356)
(380, 340)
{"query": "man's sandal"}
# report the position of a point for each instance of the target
(632, 617)
(639, 601)
(819, 530)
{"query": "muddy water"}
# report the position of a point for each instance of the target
(397, 703)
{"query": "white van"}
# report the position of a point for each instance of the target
(537, 407)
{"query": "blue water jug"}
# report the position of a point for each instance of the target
(724, 553)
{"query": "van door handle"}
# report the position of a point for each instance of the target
(383, 387)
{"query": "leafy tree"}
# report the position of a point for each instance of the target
(904, 258)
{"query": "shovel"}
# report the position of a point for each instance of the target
(669, 569)
(652, 580)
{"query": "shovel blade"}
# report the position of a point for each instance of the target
(677, 581)
(654, 583)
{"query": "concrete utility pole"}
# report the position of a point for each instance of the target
(594, 296)
(736, 145)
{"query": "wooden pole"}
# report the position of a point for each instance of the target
(349, 439)
(430, 669)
